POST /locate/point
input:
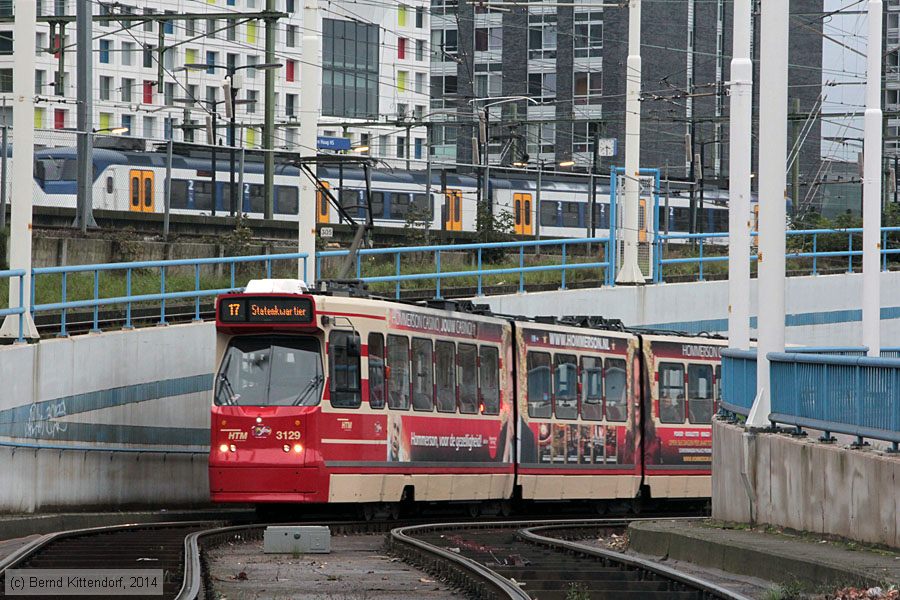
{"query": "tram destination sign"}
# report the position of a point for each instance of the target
(266, 309)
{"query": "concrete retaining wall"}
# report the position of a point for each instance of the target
(802, 484)
(106, 420)
(819, 309)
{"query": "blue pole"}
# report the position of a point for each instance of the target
(437, 283)
(62, 318)
(197, 289)
(613, 184)
(128, 294)
(162, 290)
(479, 271)
(96, 328)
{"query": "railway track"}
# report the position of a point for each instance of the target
(530, 560)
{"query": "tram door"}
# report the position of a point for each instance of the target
(141, 191)
(452, 211)
(323, 209)
(522, 213)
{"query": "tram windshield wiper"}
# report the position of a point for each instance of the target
(225, 384)
(310, 387)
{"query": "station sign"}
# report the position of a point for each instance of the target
(332, 143)
(266, 310)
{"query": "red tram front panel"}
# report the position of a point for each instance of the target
(682, 376)
(578, 409)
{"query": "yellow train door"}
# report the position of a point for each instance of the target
(522, 213)
(323, 212)
(453, 212)
(141, 191)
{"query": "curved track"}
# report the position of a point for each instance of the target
(527, 559)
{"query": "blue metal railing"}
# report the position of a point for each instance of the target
(837, 394)
(128, 299)
(738, 380)
(703, 239)
(19, 309)
(438, 275)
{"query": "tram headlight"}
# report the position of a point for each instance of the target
(287, 448)
(223, 448)
(233, 448)
(298, 448)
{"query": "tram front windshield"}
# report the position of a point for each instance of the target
(270, 371)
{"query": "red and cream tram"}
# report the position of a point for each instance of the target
(322, 398)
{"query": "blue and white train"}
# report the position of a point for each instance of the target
(135, 181)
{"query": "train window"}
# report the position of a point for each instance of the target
(571, 214)
(422, 375)
(548, 213)
(286, 200)
(539, 398)
(398, 373)
(202, 195)
(376, 370)
(257, 198)
(615, 380)
(528, 213)
(671, 393)
(468, 383)
(270, 371)
(489, 380)
(700, 393)
(601, 216)
(135, 191)
(565, 382)
(518, 211)
(377, 205)
(422, 205)
(445, 375)
(681, 219)
(350, 201)
(110, 185)
(148, 191)
(343, 366)
(179, 196)
(591, 388)
(399, 205)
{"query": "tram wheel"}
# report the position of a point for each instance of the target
(505, 508)
(393, 510)
(473, 509)
(367, 512)
(601, 507)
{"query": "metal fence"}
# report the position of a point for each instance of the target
(154, 269)
(738, 380)
(481, 270)
(705, 243)
(837, 394)
(18, 309)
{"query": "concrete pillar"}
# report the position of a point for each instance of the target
(773, 75)
(310, 107)
(21, 197)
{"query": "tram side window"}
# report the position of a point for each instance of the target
(422, 205)
(718, 401)
(376, 370)
(489, 380)
(445, 375)
(398, 373)
(671, 393)
(377, 205)
(257, 198)
(591, 388)
(468, 383)
(287, 202)
(539, 398)
(423, 374)
(566, 386)
(615, 378)
(700, 393)
(343, 357)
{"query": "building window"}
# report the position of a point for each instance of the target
(419, 144)
(169, 93)
(127, 84)
(59, 117)
(251, 72)
(420, 83)
(542, 85)
(127, 53)
(402, 10)
(443, 85)
(289, 71)
(190, 27)
(39, 118)
(149, 127)
(583, 136)
(488, 38)
(350, 69)
(169, 26)
(127, 124)
(251, 32)
(148, 56)
(212, 58)
(291, 37)
(6, 42)
(169, 128)
(420, 50)
(401, 48)
(104, 51)
(231, 32)
(252, 98)
(488, 85)
(148, 92)
(588, 88)
(211, 28)
(542, 35)
(402, 78)
(148, 25)
(444, 45)
(420, 17)
(105, 87)
(40, 79)
(6, 77)
(588, 34)
(401, 146)
(290, 104)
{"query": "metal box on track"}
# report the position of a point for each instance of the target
(297, 539)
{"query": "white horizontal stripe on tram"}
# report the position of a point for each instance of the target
(331, 441)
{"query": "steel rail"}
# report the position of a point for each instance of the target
(716, 591)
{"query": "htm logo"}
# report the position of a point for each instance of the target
(238, 436)
(234, 310)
